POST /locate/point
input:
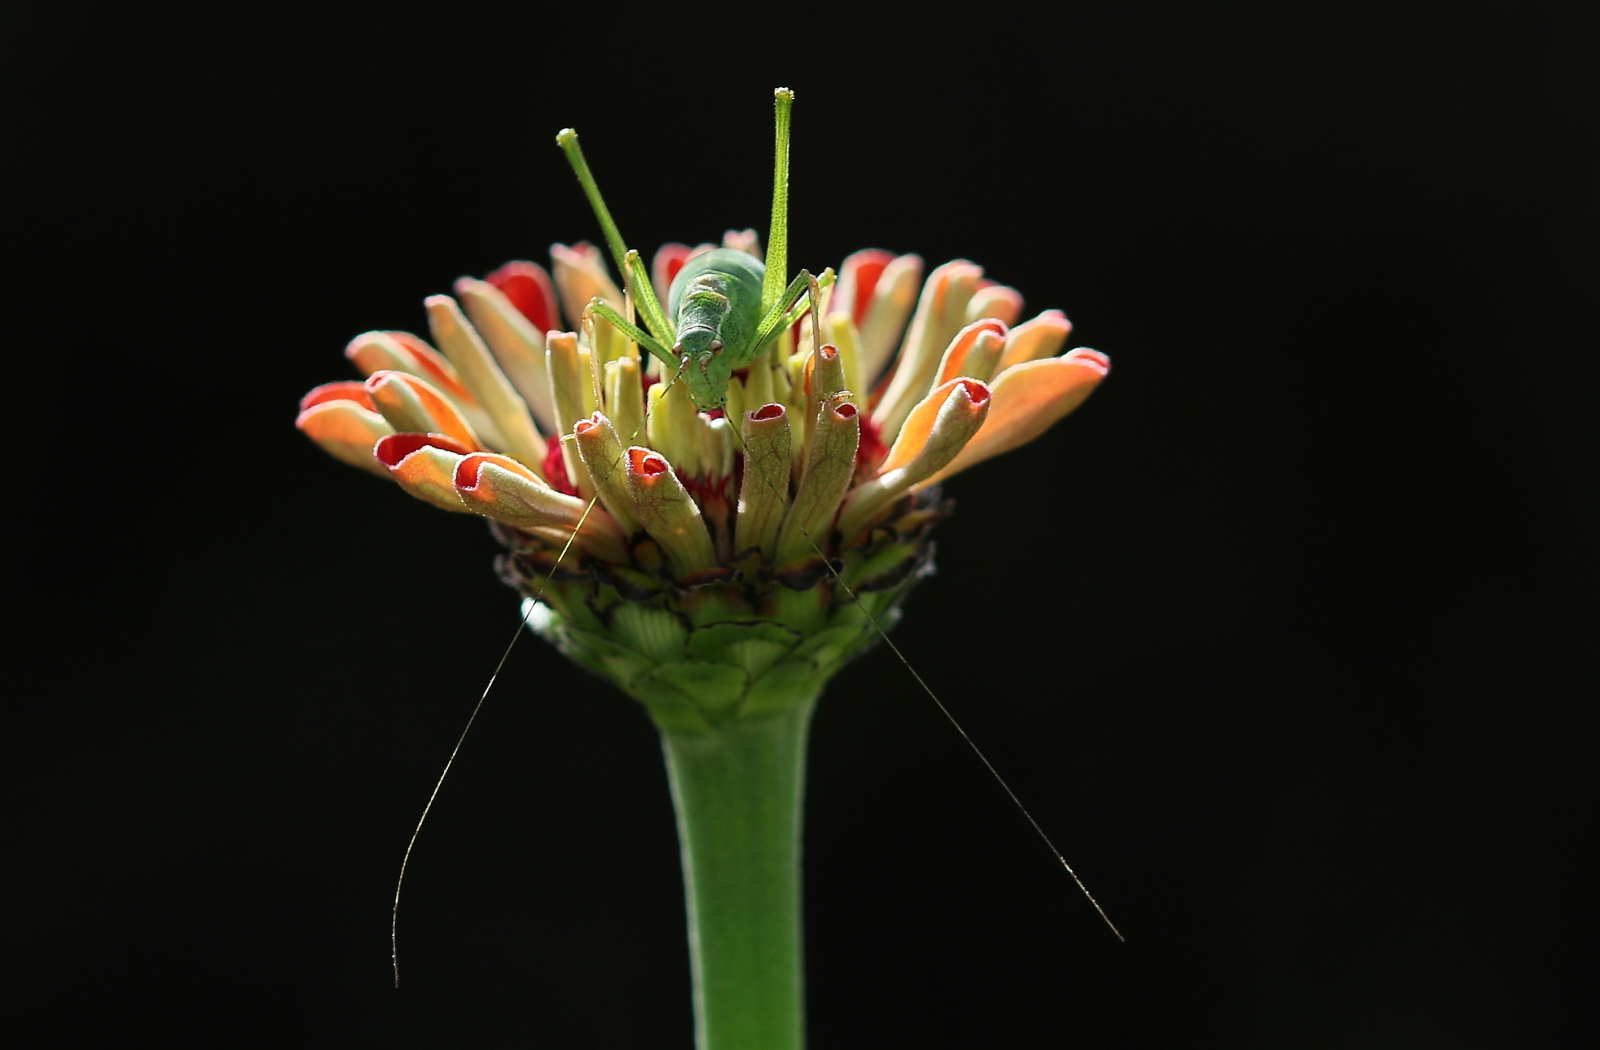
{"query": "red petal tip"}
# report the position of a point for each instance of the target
(392, 449)
(348, 390)
(1090, 359)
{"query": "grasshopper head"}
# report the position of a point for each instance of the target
(706, 368)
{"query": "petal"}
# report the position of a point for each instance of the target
(424, 465)
(528, 289)
(996, 301)
(958, 355)
(665, 266)
(884, 314)
(1028, 399)
(858, 276)
(403, 352)
(512, 422)
(668, 513)
(941, 313)
(600, 448)
(830, 465)
(411, 405)
(345, 390)
(747, 241)
(345, 429)
(1035, 339)
(500, 488)
(764, 485)
(517, 345)
(938, 429)
(914, 436)
(917, 437)
(580, 276)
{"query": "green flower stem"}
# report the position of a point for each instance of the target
(738, 792)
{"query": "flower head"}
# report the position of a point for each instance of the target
(654, 535)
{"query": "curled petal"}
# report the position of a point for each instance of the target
(403, 352)
(959, 359)
(345, 427)
(764, 485)
(832, 461)
(995, 301)
(667, 512)
(528, 289)
(411, 405)
(935, 433)
(501, 488)
(918, 430)
(1028, 399)
(424, 465)
(1035, 339)
(345, 390)
(601, 450)
(824, 374)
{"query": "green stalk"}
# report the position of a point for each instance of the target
(738, 793)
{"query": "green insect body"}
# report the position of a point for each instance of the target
(725, 307)
(715, 304)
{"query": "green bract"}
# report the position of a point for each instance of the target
(747, 645)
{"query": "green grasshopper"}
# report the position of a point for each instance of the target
(725, 306)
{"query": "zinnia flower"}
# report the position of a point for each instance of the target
(708, 573)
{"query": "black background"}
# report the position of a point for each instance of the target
(1286, 636)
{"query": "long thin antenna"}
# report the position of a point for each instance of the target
(394, 915)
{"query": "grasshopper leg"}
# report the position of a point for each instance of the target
(604, 309)
(771, 323)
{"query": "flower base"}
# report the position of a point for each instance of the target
(745, 643)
